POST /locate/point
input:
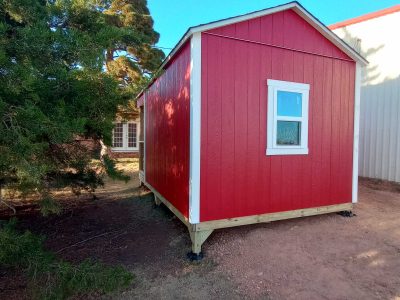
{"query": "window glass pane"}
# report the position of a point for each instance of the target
(288, 133)
(132, 135)
(117, 135)
(289, 104)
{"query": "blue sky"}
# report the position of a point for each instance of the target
(173, 17)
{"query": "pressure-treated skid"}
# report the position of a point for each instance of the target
(197, 237)
(201, 231)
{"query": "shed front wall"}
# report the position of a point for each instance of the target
(167, 109)
(237, 177)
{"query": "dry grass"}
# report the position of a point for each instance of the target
(30, 203)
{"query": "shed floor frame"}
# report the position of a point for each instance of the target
(201, 231)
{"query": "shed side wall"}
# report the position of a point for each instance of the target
(237, 178)
(167, 132)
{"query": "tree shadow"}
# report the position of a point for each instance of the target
(370, 72)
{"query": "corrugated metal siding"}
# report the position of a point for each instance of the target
(380, 131)
(379, 155)
(167, 132)
(237, 178)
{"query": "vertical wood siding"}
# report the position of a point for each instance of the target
(237, 178)
(167, 132)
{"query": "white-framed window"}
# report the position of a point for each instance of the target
(125, 136)
(287, 120)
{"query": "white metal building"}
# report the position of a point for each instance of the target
(377, 37)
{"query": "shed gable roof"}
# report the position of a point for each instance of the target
(297, 7)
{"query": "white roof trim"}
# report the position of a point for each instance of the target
(313, 21)
(330, 35)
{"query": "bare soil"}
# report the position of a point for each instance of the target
(322, 257)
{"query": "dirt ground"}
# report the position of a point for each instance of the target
(321, 257)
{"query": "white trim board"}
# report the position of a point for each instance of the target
(144, 135)
(195, 128)
(274, 86)
(357, 98)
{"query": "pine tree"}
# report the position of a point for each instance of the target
(134, 58)
(53, 87)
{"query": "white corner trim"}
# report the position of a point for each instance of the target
(272, 118)
(357, 99)
(195, 128)
(144, 135)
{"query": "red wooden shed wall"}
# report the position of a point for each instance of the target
(167, 132)
(237, 178)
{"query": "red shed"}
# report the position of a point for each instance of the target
(253, 119)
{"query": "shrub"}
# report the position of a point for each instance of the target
(51, 278)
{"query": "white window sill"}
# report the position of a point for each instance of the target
(124, 150)
(287, 151)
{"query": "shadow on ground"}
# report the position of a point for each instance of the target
(322, 257)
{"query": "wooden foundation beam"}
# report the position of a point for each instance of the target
(157, 200)
(265, 218)
(201, 231)
(175, 211)
(198, 238)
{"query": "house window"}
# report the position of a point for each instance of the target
(118, 135)
(132, 135)
(125, 136)
(287, 124)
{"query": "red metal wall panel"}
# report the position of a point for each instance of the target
(167, 132)
(237, 178)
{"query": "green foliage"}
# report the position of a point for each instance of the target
(49, 206)
(112, 171)
(54, 88)
(23, 250)
(134, 58)
(50, 278)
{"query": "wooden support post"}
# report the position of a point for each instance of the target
(157, 200)
(198, 238)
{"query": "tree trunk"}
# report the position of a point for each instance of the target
(103, 150)
(109, 57)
